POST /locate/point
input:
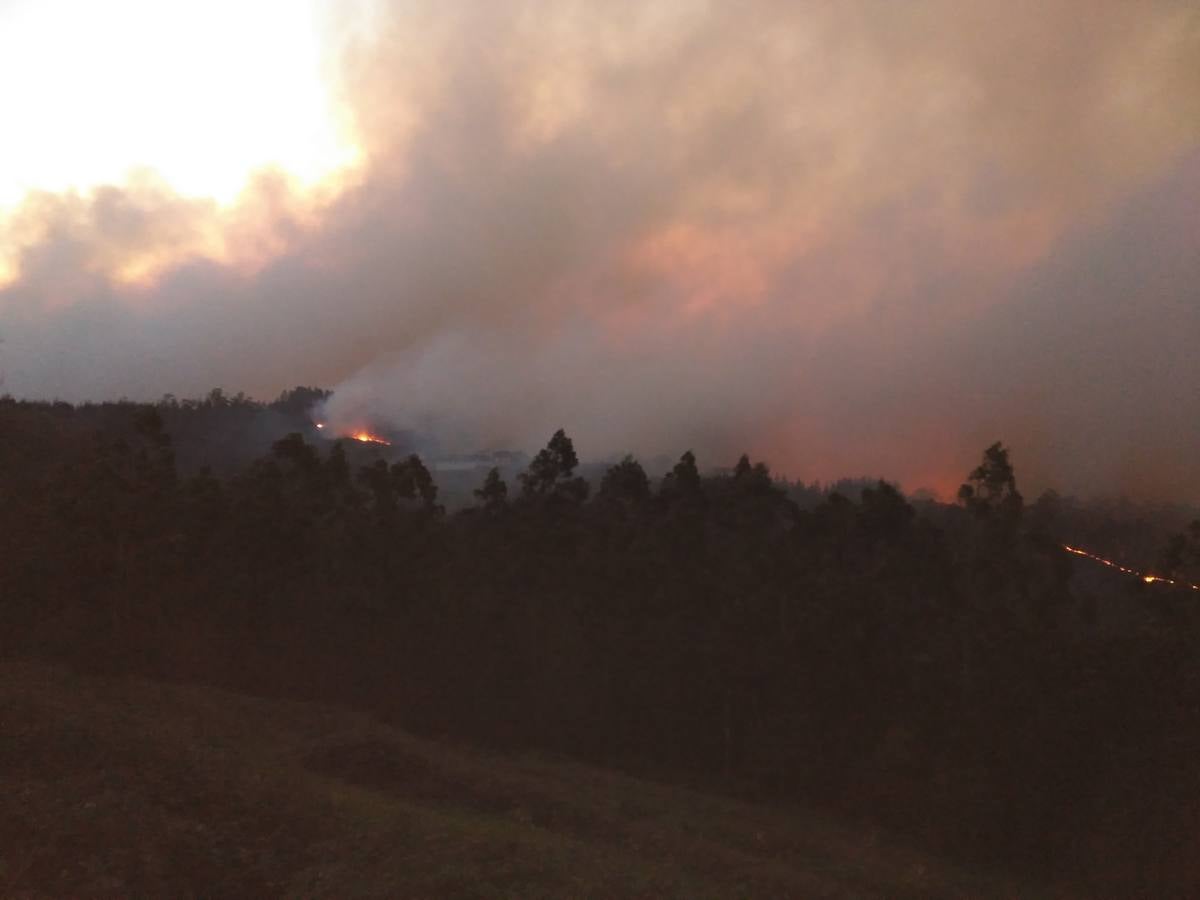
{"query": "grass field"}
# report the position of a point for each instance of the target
(122, 787)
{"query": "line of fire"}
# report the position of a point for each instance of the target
(1144, 576)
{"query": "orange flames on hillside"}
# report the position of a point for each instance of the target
(362, 435)
(366, 437)
(1149, 579)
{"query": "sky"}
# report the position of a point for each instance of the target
(862, 238)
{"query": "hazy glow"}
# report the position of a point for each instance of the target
(849, 238)
(202, 94)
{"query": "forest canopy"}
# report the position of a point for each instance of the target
(945, 670)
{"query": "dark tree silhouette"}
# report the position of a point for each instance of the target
(551, 472)
(991, 489)
(493, 495)
(626, 482)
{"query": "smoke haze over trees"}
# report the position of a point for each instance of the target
(858, 238)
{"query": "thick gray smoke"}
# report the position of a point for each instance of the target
(848, 238)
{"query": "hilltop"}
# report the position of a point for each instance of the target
(124, 786)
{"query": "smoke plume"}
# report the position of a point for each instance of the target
(864, 237)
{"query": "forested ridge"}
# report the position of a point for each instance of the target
(942, 671)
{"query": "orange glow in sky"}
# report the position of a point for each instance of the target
(202, 95)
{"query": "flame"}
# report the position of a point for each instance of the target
(362, 435)
(1144, 576)
(366, 437)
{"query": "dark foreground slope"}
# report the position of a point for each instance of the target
(120, 787)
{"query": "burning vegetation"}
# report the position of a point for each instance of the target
(367, 437)
(1144, 576)
(362, 435)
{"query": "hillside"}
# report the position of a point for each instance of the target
(132, 787)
